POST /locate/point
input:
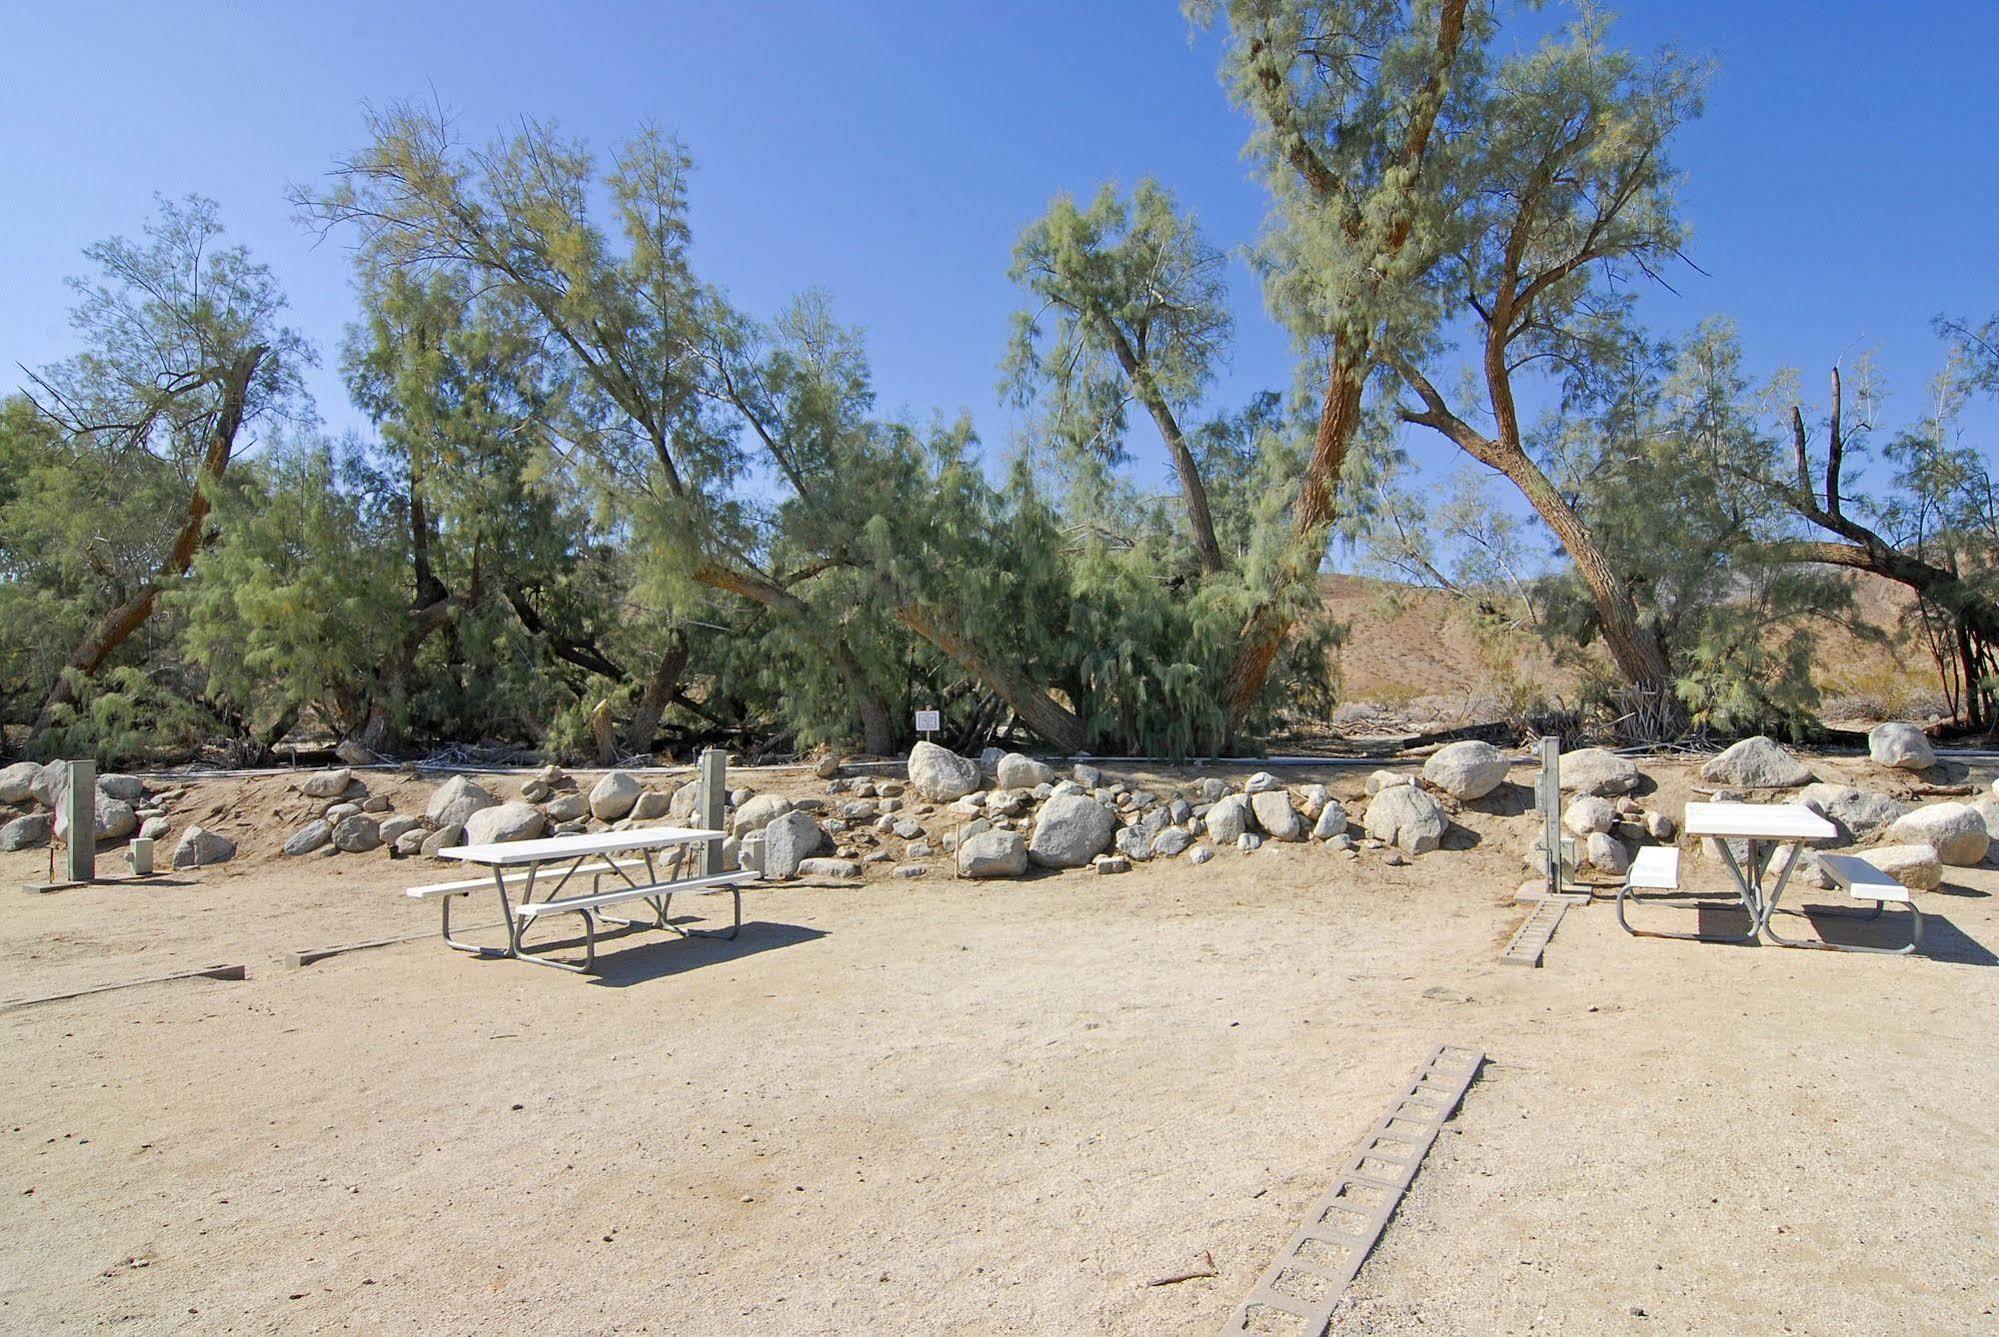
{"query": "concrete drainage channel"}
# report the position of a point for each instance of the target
(1298, 1292)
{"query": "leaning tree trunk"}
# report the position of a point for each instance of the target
(1973, 616)
(1268, 625)
(658, 694)
(877, 730)
(1650, 701)
(1353, 357)
(116, 627)
(1193, 491)
(1058, 726)
(1633, 647)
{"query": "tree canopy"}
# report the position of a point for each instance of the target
(601, 509)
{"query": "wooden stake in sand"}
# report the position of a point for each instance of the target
(205, 973)
(312, 954)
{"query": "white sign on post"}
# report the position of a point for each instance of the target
(929, 721)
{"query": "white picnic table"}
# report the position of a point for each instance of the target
(596, 855)
(1766, 829)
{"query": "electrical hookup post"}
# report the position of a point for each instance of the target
(1557, 851)
(79, 819)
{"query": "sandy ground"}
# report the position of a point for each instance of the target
(997, 1107)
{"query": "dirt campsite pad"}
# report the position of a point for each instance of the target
(939, 1105)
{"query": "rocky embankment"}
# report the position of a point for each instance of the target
(1004, 813)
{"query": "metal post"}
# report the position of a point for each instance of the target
(714, 806)
(1551, 810)
(80, 803)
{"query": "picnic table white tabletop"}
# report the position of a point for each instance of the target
(1757, 821)
(550, 848)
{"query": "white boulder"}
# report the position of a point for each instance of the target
(1596, 770)
(790, 838)
(200, 847)
(1587, 814)
(1018, 771)
(313, 835)
(1332, 821)
(1467, 770)
(127, 788)
(1408, 818)
(456, 800)
(1858, 813)
(24, 833)
(758, 813)
(395, 828)
(1070, 830)
(358, 833)
(502, 822)
(613, 796)
(1228, 819)
(1606, 854)
(1275, 814)
(1956, 831)
(17, 782)
(940, 774)
(326, 784)
(444, 838)
(1757, 763)
(1900, 745)
(994, 854)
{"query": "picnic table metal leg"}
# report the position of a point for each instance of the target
(1743, 893)
(589, 963)
(515, 930)
(459, 945)
(735, 895)
(666, 903)
(1748, 886)
(507, 906)
(614, 919)
(1915, 932)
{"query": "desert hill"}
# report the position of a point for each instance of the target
(1415, 650)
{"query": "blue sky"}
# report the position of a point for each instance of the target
(1843, 185)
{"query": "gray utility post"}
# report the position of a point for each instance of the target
(714, 806)
(80, 805)
(1550, 794)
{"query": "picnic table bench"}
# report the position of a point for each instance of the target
(595, 855)
(1764, 829)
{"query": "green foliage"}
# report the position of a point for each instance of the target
(123, 718)
(1668, 472)
(184, 360)
(298, 604)
(1129, 301)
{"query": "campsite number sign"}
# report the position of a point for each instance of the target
(929, 721)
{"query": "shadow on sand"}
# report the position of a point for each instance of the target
(653, 955)
(1943, 940)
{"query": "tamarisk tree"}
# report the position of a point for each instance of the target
(184, 358)
(1131, 307)
(665, 383)
(1347, 99)
(1935, 531)
(1563, 198)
